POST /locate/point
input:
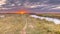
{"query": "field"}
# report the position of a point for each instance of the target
(50, 15)
(24, 24)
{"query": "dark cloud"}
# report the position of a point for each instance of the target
(34, 0)
(54, 2)
(46, 5)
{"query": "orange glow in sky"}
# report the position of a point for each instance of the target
(22, 12)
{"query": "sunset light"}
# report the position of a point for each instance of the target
(22, 12)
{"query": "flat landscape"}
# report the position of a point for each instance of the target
(25, 24)
(56, 15)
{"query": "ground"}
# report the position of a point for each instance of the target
(24, 24)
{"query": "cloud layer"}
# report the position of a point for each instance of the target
(40, 5)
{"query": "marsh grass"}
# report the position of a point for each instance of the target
(14, 23)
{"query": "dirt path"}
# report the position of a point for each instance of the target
(29, 25)
(25, 27)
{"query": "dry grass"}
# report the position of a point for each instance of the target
(14, 23)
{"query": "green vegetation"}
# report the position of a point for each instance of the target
(17, 23)
(50, 15)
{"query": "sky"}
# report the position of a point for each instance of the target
(33, 5)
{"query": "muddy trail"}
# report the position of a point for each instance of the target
(25, 24)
